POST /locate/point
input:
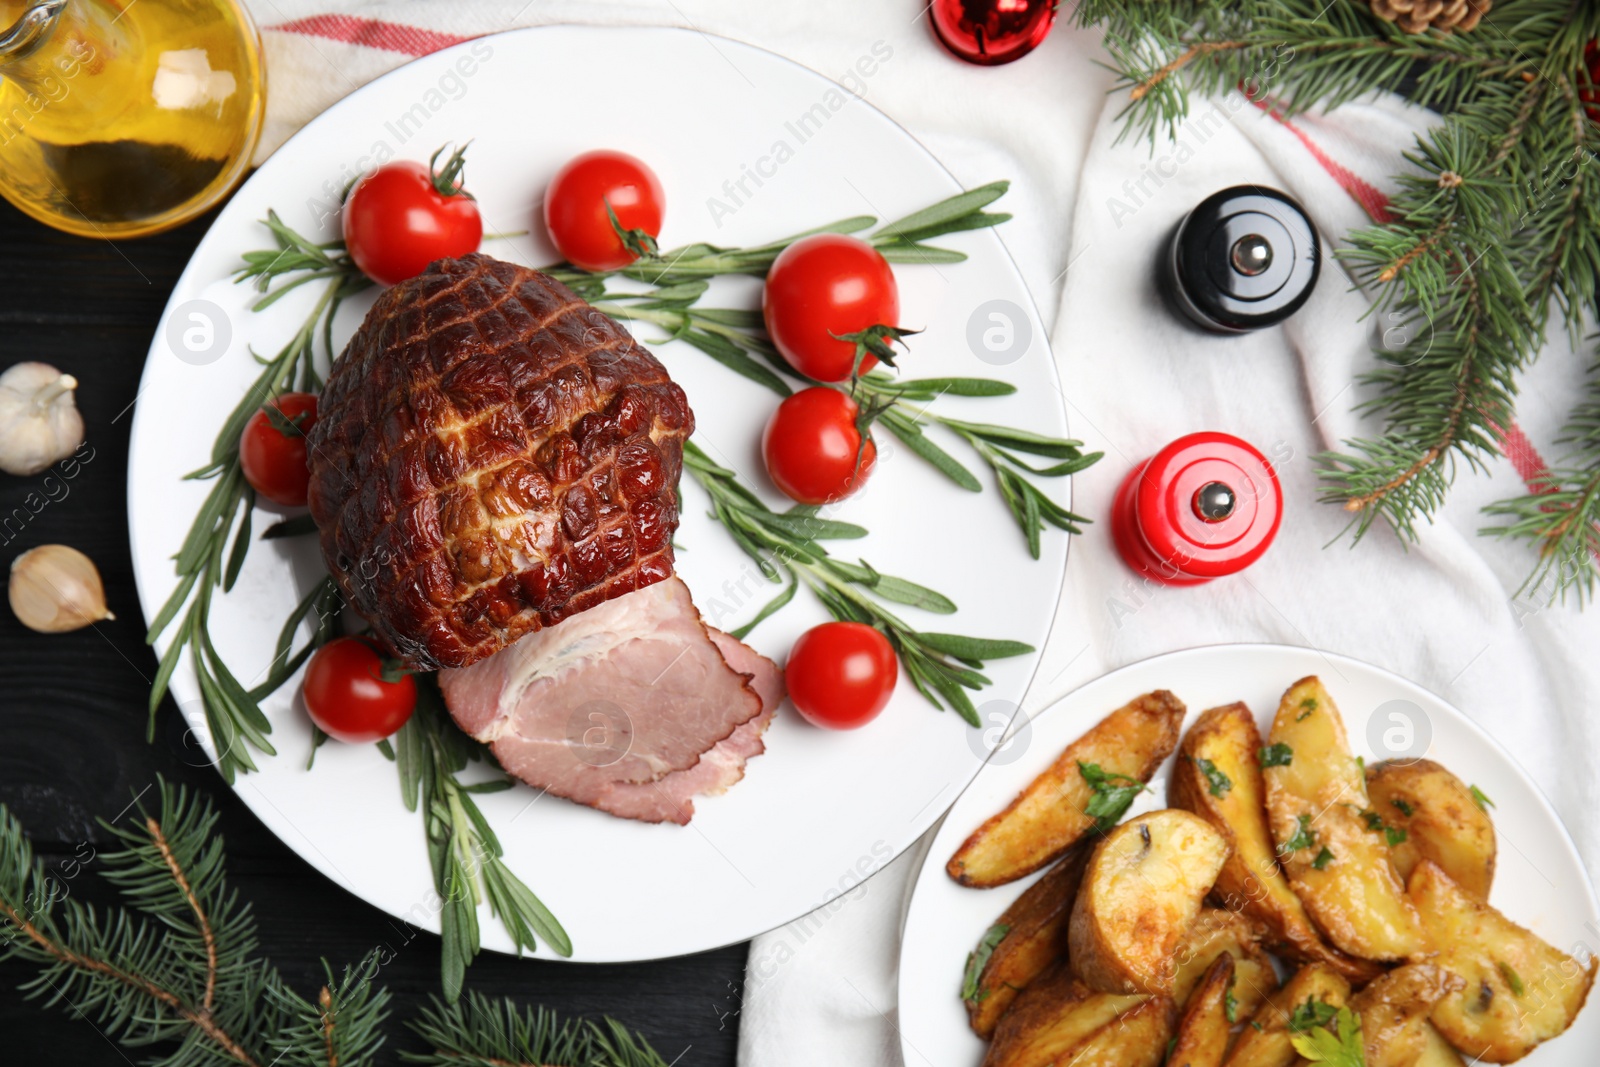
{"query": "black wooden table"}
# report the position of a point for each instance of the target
(72, 706)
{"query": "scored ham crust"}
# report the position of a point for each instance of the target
(492, 455)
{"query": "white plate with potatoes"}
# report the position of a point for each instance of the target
(1250, 856)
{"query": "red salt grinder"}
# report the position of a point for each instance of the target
(1205, 506)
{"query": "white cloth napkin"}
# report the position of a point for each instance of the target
(1090, 216)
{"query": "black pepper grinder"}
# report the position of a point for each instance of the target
(1244, 258)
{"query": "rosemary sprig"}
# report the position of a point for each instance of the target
(465, 855)
(901, 241)
(205, 562)
(785, 545)
(732, 338)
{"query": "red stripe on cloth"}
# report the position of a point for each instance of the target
(1369, 196)
(1530, 466)
(1515, 444)
(371, 33)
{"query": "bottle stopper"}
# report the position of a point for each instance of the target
(1205, 506)
(1244, 258)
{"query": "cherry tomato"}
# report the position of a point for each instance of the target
(812, 448)
(347, 696)
(272, 450)
(575, 208)
(405, 215)
(821, 288)
(840, 675)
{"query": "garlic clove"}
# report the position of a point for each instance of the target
(55, 589)
(39, 420)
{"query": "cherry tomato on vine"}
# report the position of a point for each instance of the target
(813, 448)
(348, 697)
(840, 675)
(821, 288)
(406, 214)
(272, 448)
(576, 216)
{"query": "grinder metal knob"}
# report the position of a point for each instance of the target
(1206, 505)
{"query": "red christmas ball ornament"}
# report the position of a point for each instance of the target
(1205, 506)
(991, 32)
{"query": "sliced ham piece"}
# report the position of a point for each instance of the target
(671, 798)
(631, 707)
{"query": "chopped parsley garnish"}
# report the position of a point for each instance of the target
(1511, 977)
(1393, 834)
(1113, 794)
(1304, 837)
(1323, 858)
(1230, 1003)
(1278, 755)
(1217, 783)
(1480, 798)
(1339, 1045)
(978, 959)
(1311, 1014)
(1405, 808)
(1307, 706)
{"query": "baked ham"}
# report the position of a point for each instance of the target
(494, 470)
(613, 707)
(492, 455)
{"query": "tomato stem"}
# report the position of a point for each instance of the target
(450, 180)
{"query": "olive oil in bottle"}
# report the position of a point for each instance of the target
(120, 118)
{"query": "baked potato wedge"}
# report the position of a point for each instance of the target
(1435, 817)
(1436, 1051)
(1139, 1037)
(1027, 938)
(1053, 1018)
(1394, 1011)
(1218, 777)
(1051, 813)
(1518, 990)
(1205, 1027)
(1316, 805)
(1217, 932)
(1140, 894)
(1265, 1041)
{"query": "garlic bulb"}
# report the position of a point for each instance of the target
(55, 589)
(39, 423)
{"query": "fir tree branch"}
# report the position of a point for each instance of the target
(144, 970)
(1171, 67)
(1560, 515)
(199, 1019)
(159, 839)
(479, 1032)
(118, 964)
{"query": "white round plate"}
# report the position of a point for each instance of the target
(820, 810)
(1539, 880)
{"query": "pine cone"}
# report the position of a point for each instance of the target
(1415, 16)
